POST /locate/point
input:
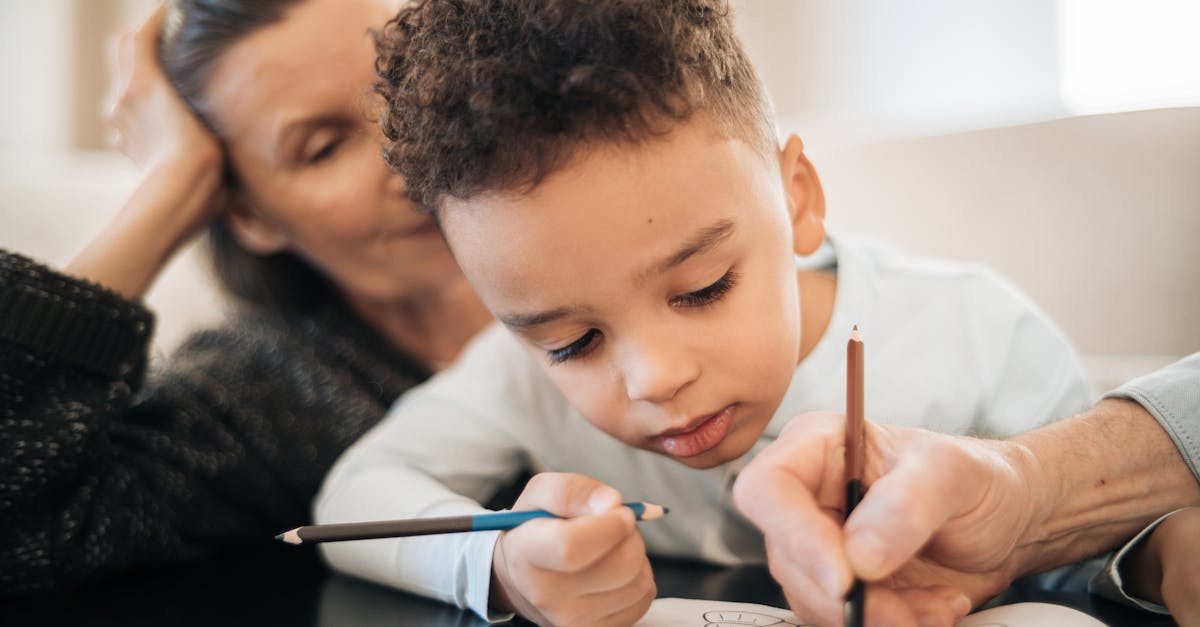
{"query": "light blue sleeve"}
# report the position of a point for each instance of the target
(1172, 396)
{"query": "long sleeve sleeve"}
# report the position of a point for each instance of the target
(107, 464)
(441, 450)
(1172, 396)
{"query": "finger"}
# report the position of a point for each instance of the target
(805, 598)
(885, 606)
(573, 545)
(1181, 594)
(633, 603)
(149, 33)
(932, 481)
(781, 492)
(567, 494)
(935, 605)
(616, 569)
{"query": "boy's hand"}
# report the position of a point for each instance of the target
(928, 565)
(1166, 568)
(590, 569)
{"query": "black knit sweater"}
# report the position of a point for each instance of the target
(106, 465)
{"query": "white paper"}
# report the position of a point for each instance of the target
(700, 613)
(1030, 615)
(697, 613)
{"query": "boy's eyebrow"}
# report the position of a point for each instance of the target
(704, 240)
(518, 322)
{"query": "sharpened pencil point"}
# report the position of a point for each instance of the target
(291, 537)
(652, 511)
(855, 335)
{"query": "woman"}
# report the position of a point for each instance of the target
(346, 298)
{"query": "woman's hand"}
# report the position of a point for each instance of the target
(153, 124)
(589, 569)
(182, 164)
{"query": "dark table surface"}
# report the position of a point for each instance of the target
(290, 586)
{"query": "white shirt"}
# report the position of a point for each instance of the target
(949, 347)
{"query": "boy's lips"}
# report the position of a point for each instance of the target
(699, 436)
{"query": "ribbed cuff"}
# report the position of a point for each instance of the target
(71, 319)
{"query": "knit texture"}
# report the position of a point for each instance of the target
(107, 465)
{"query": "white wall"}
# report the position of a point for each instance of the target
(856, 71)
(35, 111)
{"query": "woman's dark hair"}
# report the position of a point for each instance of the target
(198, 32)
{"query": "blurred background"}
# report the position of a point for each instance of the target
(1058, 142)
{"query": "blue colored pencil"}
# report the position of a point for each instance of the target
(493, 521)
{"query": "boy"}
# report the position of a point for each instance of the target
(608, 178)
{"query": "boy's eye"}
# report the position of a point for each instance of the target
(707, 295)
(575, 349)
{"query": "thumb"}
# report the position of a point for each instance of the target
(568, 495)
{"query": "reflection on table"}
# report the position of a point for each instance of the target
(290, 586)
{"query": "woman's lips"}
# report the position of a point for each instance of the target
(698, 439)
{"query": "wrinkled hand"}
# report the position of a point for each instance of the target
(1166, 567)
(935, 534)
(153, 125)
(589, 569)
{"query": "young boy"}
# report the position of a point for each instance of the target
(608, 177)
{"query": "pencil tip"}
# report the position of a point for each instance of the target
(855, 335)
(652, 511)
(291, 537)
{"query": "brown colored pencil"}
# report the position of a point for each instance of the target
(856, 456)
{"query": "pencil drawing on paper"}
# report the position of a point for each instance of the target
(737, 618)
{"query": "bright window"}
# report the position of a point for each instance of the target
(1123, 55)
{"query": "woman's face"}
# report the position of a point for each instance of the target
(293, 103)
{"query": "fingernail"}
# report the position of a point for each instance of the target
(603, 499)
(865, 550)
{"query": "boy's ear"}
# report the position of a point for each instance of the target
(806, 198)
(253, 231)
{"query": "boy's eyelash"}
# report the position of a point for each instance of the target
(708, 295)
(699, 298)
(575, 349)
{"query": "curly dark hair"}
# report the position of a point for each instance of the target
(494, 95)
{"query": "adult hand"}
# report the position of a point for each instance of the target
(934, 535)
(154, 126)
(181, 189)
(590, 568)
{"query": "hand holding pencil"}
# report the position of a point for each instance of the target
(936, 531)
(588, 568)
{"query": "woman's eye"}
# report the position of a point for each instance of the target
(324, 152)
(708, 295)
(575, 349)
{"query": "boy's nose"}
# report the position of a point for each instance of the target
(655, 371)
